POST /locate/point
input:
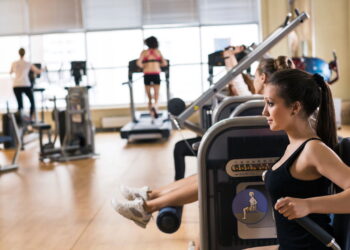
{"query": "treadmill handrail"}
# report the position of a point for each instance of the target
(261, 49)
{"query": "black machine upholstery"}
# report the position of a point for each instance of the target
(232, 156)
(341, 222)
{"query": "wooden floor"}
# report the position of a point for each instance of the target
(66, 205)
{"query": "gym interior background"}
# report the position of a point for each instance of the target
(66, 205)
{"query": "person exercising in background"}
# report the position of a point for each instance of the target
(151, 61)
(239, 86)
(21, 83)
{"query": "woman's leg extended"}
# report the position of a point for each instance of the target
(180, 196)
(182, 149)
(158, 192)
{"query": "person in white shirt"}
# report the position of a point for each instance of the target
(21, 83)
(237, 86)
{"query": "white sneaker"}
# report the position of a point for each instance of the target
(130, 193)
(133, 210)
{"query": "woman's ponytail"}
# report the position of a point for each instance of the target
(313, 93)
(325, 122)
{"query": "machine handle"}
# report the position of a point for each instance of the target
(313, 228)
(286, 21)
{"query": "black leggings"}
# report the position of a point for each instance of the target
(180, 151)
(29, 93)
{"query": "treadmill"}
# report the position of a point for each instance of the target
(143, 126)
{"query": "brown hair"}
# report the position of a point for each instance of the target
(312, 92)
(21, 52)
(269, 66)
(152, 42)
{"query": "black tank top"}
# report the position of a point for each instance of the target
(280, 183)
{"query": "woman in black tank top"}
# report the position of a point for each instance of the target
(298, 182)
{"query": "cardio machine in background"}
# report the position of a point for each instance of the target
(143, 126)
(11, 139)
(78, 69)
(73, 126)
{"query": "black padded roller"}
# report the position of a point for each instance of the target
(176, 106)
(169, 219)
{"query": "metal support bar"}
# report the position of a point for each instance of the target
(257, 53)
(132, 105)
(18, 139)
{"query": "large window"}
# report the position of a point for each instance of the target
(107, 34)
(58, 50)
(113, 48)
(182, 47)
(9, 47)
(217, 37)
(108, 52)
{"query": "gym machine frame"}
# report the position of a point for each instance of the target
(181, 120)
(254, 55)
(77, 126)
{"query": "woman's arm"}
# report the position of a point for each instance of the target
(11, 70)
(35, 69)
(329, 165)
(163, 62)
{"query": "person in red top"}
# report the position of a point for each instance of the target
(151, 61)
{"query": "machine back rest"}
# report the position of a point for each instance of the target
(232, 156)
(249, 108)
(341, 222)
(229, 104)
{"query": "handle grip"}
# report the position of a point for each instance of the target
(317, 231)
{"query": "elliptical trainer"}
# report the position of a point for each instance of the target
(74, 125)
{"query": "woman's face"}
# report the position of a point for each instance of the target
(279, 116)
(259, 80)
